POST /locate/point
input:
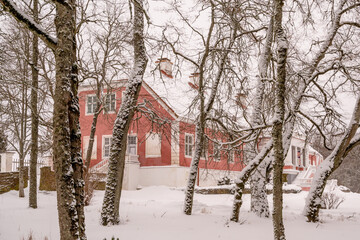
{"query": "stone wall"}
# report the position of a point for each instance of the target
(10, 180)
(48, 183)
(47, 179)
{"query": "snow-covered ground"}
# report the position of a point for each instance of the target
(156, 213)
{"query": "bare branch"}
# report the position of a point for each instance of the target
(20, 16)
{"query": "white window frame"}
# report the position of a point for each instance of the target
(106, 109)
(86, 104)
(192, 144)
(136, 143)
(103, 145)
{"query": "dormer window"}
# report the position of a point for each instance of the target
(165, 66)
(194, 80)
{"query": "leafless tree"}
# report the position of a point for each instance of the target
(67, 157)
(111, 202)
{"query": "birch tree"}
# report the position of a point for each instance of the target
(111, 202)
(310, 74)
(282, 46)
(259, 203)
(330, 164)
(67, 158)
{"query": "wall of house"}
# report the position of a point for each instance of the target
(140, 126)
(6, 159)
(176, 176)
(208, 162)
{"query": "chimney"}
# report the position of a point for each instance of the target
(241, 98)
(165, 66)
(194, 80)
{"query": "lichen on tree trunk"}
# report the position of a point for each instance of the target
(67, 137)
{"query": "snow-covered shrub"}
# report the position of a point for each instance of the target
(224, 181)
(330, 200)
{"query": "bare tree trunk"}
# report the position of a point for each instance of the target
(34, 116)
(190, 188)
(259, 203)
(204, 112)
(111, 202)
(244, 176)
(279, 230)
(23, 131)
(67, 137)
(331, 163)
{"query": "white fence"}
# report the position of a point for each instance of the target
(16, 164)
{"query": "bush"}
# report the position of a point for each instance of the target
(224, 181)
(330, 200)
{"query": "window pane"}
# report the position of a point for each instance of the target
(188, 145)
(131, 150)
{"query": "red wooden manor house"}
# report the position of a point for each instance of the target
(160, 143)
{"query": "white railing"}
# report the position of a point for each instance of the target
(102, 166)
(16, 164)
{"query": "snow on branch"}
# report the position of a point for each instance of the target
(22, 17)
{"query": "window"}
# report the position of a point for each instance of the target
(106, 146)
(304, 157)
(217, 153)
(91, 104)
(230, 156)
(86, 145)
(298, 156)
(110, 102)
(189, 144)
(293, 155)
(153, 145)
(132, 145)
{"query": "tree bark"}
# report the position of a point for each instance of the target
(111, 202)
(259, 203)
(23, 127)
(204, 112)
(279, 230)
(67, 137)
(244, 176)
(34, 115)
